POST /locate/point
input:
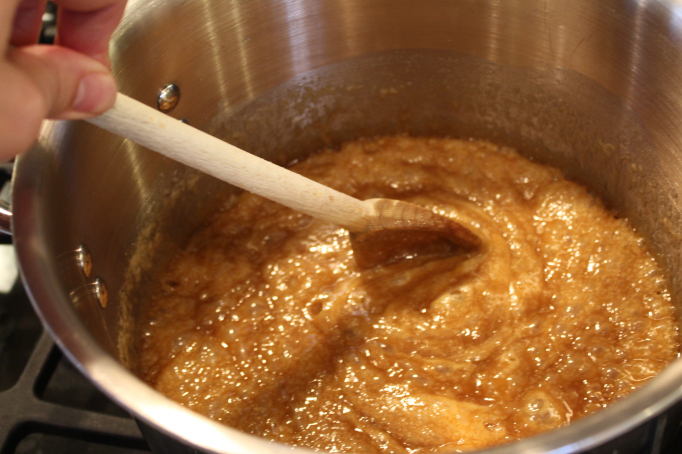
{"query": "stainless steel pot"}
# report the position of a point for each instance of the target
(592, 86)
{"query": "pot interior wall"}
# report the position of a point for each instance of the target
(555, 116)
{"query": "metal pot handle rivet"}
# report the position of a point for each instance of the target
(84, 260)
(168, 98)
(101, 292)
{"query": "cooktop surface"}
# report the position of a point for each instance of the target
(46, 405)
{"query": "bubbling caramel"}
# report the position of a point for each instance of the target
(265, 323)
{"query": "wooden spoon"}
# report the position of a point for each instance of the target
(382, 230)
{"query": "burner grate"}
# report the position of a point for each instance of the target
(46, 405)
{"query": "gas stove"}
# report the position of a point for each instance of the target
(46, 405)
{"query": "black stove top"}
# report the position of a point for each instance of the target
(46, 405)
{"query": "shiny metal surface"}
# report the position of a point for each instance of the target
(169, 96)
(84, 260)
(592, 86)
(101, 292)
(5, 197)
(5, 219)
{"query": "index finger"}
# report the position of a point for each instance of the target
(87, 25)
(7, 13)
(28, 19)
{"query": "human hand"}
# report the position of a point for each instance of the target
(68, 80)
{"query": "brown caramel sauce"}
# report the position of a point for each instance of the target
(265, 323)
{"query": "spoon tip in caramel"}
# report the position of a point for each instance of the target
(398, 230)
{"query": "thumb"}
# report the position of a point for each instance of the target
(38, 82)
(72, 86)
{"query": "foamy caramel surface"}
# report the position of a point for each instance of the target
(265, 323)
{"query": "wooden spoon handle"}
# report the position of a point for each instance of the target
(159, 132)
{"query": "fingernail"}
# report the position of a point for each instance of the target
(96, 93)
